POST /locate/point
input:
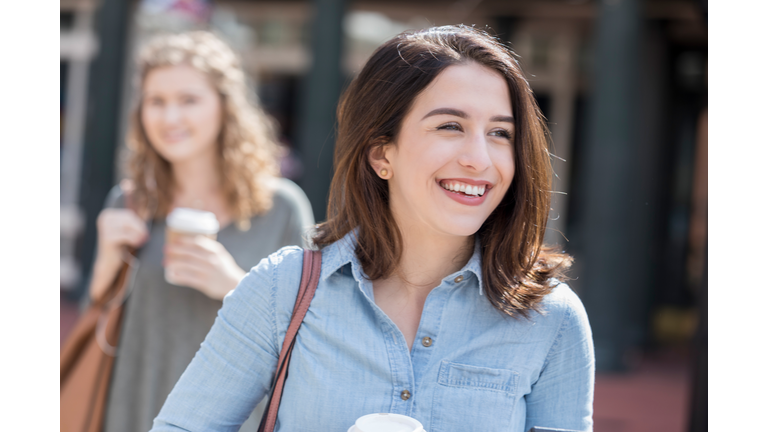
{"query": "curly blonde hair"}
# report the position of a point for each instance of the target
(247, 143)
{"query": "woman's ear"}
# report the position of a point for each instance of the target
(378, 159)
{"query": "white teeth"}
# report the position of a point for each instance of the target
(466, 189)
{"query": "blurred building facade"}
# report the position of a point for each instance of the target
(621, 82)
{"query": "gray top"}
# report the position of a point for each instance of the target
(165, 324)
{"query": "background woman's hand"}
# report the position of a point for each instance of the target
(203, 264)
(116, 228)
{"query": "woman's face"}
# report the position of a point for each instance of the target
(181, 113)
(453, 161)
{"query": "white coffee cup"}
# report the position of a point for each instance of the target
(189, 222)
(385, 422)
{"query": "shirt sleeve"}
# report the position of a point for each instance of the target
(563, 394)
(234, 367)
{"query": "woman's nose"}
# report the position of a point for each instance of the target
(474, 153)
(172, 114)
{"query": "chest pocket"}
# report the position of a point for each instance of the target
(473, 398)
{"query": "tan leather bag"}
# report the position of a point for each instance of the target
(88, 355)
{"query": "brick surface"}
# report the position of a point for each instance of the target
(653, 397)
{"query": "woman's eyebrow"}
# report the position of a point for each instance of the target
(507, 119)
(462, 114)
(448, 111)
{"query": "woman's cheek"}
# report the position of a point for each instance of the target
(149, 120)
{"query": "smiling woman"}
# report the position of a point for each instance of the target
(196, 142)
(437, 299)
(469, 86)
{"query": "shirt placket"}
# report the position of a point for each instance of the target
(428, 335)
(408, 367)
(401, 401)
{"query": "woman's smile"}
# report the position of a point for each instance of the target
(466, 191)
(175, 136)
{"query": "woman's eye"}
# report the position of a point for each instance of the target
(154, 102)
(502, 133)
(450, 126)
(189, 100)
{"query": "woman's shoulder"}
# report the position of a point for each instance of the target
(286, 258)
(273, 283)
(287, 193)
(116, 196)
(266, 273)
(563, 303)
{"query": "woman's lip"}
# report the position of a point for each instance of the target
(175, 137)
(465, 199)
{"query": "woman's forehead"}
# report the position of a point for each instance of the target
(469, 89)
(169, 79)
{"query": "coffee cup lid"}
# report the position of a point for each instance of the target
(192, 220)
(386, 422)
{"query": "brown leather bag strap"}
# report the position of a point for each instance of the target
(116, 292)
(310, 276)
(107, 329)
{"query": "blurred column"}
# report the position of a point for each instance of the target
(103, 110)
(698, 264)
(78, 46)
(320, 94)
(614, 255)
(697, 420)
(563, 93)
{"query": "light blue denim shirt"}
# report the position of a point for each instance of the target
(471, 367)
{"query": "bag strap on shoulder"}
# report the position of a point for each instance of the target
(310, 276)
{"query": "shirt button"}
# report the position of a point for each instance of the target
(426, 341)
(459, 279)
(405, 395)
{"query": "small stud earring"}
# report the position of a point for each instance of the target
(384, 172)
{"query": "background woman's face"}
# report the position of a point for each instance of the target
(458, 135)
(181, 113)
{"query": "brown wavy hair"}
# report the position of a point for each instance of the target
(518, 270)
(247, 143)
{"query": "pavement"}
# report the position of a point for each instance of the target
(654, 396)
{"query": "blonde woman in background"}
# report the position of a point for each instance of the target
(195, 141)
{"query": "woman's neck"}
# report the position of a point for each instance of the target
(427, 258)
(198, 185)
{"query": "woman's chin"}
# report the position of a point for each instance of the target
(463, 228)
(176, 156)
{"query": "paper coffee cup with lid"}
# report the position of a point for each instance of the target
(385, 422)
(189, 222)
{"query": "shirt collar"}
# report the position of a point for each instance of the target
(342, 252)
(338, 254)
(474, 265)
